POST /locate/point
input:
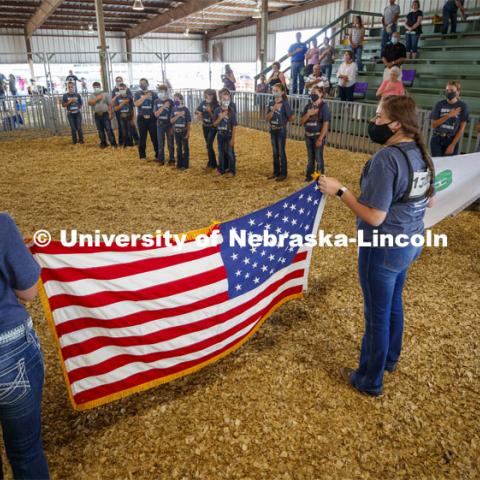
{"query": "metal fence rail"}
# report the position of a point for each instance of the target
(44, 116)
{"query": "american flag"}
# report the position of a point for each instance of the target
(129, 318)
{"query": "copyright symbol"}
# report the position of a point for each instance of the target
(42, 238)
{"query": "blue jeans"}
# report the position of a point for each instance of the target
(279, 140)
(209, 133)
(449, 14)
(327, 71)
(298, 82)
(315, 156)
(438, 145)
(357, 57)
(183, 150)
(226, 155)
(75, 121)
(386, 37)
(412, 42)
(164, 132)
(104, 128)
(21, 384)
(382, 273)
(147, 126)
(125, 131)
(346, 93)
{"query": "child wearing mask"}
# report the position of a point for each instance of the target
(181, 121)
(205, 113)
(316, 119)
(163, 108)
(123, 107)
(225, 120)
(278, 115)
(102, 107)
(146, 121)
(73, 102)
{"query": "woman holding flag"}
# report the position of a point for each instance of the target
(396, 187)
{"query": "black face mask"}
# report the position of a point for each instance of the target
(450, 95)
(314, 97)
(380, 133)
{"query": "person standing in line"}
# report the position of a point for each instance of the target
(73, 102)
(123, 107)
(413, 29)
(205, 112)
(278, 115)
(146, 121)
(225, 121)
(22, 370)
(397, 186)
(391, 14)
(449, 119)
(101, 102)
(162, 109)
(115, 93)
(297, 53)
(356, 37)
(347, 77)
(316, 119)
(181, 120)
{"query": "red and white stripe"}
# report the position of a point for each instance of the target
(125, 317)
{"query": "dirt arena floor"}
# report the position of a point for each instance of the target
(275, 409)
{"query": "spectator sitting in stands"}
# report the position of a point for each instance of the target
(394, 53)
(392, 86)
(316, 79)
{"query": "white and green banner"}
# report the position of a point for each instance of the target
(457, 185)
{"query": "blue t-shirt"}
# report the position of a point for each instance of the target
(18, 271)
(451, 126)
(383, 184)
(225, 127)
(182, 121)
(207, 117)
(146, 108)
(164, 117)
(279, 118)
(127, 108)
(299, 56)
(75, 106)
(314, 124)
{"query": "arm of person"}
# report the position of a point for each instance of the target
(399, 61)
(269, 115)
(396, 17)
(456, 138)
(187, 135)
(27, 295)
(323, 133)
(383, 21)
(381, 89)
(385, 62)
(417, 23)
(140, 101)
(281, 77)
(118, 106)
(234, 132)
(436, 122)
(219, 118)
(232, 78)
(92, 101)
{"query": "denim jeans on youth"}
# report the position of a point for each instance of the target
(104, 128)
(209, 134)
(21, 384)
(183, 150)
(124, 126)
(75, 121)
(327, 71)
(315, 156)
(279, 140)
(297, 78)
(439, 145)
(165, 135)
(226, 155)
(147, 126)
(382, 273)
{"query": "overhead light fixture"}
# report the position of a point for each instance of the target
(258, 11)
(138, 5)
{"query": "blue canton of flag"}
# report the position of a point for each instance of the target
(249, 266)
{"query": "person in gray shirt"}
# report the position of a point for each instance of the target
(389, 22)
(102, 107)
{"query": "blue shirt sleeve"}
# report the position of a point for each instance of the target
(25, 271)
(80, 101)
(288, 109)
(325, 113)
(137, 95)
(435, 115)
(233, 119)
(64, 98)
(379, 182)
(216, 113)
(464, 114)
(188, 116)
